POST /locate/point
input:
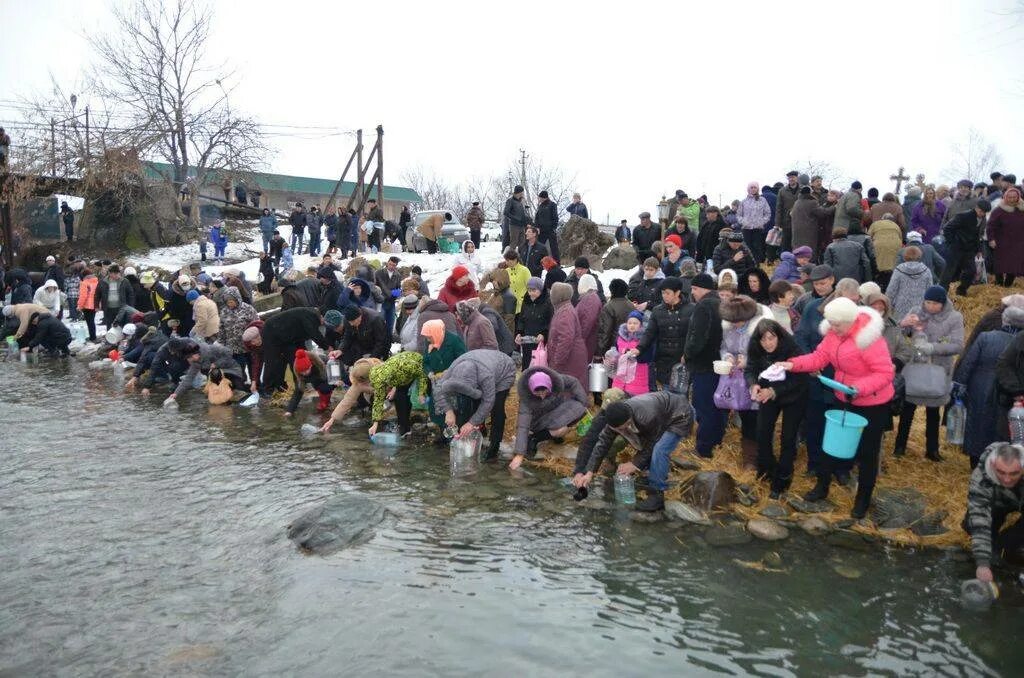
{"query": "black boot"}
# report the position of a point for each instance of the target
(533, 441)
(779, 485)
(655, 501)
(933, 456)
(820, 490)
(860, 506)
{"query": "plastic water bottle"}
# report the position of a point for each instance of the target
(679, 380)
(709, 267)
(956, 421)
(625, 490)
(464, 455)
(1016, 419)
(333, 372)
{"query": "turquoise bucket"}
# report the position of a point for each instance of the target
(842, 433)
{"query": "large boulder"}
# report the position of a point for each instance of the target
(342, 521)
(711, 490)
(581, 237)
(620, 257)
(767, 530)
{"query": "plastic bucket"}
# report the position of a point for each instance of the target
(842, 433)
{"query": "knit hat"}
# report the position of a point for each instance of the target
(581, 262)
(129, 330)
(51, 260)
(534, 283)
(204, 279)
(675, 240)
(822, 271)
(191, 296)
(869, 288)
(251, 334)
(410, 301)
(635, 314)
(803, 251)
(302, 362)
(840, 310)
(539, 380)
(138, 317)
(734, 236)
(333, 318)
(350, 313)
(935, 293)
(803, 179)
(433, 330)
(130, 270)
(459, 272)
(587, 283)
(914, 236)
(1013, 317)
(704, 281)
(560, 292)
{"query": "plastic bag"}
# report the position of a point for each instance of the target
(611, 359)
(625, 369)
(539, 357)
(414, 397)
(980, 273)
(583, 425)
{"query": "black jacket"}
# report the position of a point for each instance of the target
(50, 333)
(554, 274)
(530, 256)
(643, 289)
(707, 239)
(963, 232)
(652, 415)
(293, 328)
(370, 339)
(514, 213)
(666, 332)
(723, 258)
(643, 241)
(704, 335)
(574, 281)
(56, 274)
(546, 219)
(535, 316)
(143, 301)
(126, 292)
(791, 389)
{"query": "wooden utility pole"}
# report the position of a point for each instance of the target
(380, 166)
(359, 169)
(53, 147)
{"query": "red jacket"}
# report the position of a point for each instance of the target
(861, 359)
(452, 294)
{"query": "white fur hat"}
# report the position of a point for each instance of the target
(586, 284)
(869, 288)
(840, 310)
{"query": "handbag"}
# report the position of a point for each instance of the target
(539, 356)
(732, 393)
(925, 380)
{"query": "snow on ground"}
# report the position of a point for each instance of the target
(436, 267)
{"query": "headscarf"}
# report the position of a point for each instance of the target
(433, 330)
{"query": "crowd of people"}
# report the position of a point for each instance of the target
(728, 313)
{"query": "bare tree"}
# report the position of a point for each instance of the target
(829, 173)
(434, 192)
(153, 70)
(974, 158)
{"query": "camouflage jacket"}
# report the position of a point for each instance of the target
(986, 496)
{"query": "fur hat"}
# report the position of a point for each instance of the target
(738, 309)
(840, 310)
(587, 283)
(1013, 317)
(869, 288)
(560, 292)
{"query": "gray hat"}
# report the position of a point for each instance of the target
(965, 183)
(645, 215)
(821, 271)
(803, 180)
(410, 301)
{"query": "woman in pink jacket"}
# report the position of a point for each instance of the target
(855, 347)
(567, 352)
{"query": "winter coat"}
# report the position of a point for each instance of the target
(564, 405)
(666, 335)
(754, 213)
(567, 350)
(860, 357)
(643, 241)
(125, 291)
(848, 211)
(784, 205)
(546, 218)
(652, 415)
(478, 332)
(430, 228)
(848, 260)
(474, 218)
(435, 309)
(206, 316)
(1006, 228)
(588, 311)
(787, 269)
(518, 276)
(945, 332)
(398, 371)
(209, 355)
(478, 375)
(535, 318)
(624, 341)
(736, 340)
(977, 371)
(316, 379)
(371, 338)
(887, 238)
(21, 286)
(645, 290)
(790, 390)
(806, 216)
(963, 232)
(928, 226)
(314, 222)
(56, 274)
(864, 240)
(723, 258)
(143, 300)
(439, 359)
(578, 209)
(24, 313)
(452, 294)
(530, 256)
(704, 334)
(514, 213)
(388, 282)
(985, 497)
(294, 327)
(880, 209)
(574, 280)
(234, 321)
(50, 333)
(506, 342)
(613, 315)
(910, 280)
(268, 224)
(52, 301)
(554, 275)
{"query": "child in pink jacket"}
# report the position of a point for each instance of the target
(629, 338)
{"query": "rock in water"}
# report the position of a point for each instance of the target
(711, 490)
(727, 535)
(774, 510)
(344, 520)
(930, 525)
(768, 530)
(897, 507)
(621, 257)
(581, 237)
(815, 526)
(823, 506)
(677, 510)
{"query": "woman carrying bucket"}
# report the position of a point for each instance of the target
(855, 347)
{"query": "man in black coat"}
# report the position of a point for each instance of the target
(532, 251)
(963, 238)
(666, 330)
(644, 237)
(547, 223)
(50, 333)
(389, 280)
(703, 347)
(364, 336)
(54, 272)
(283, 333)
(113, 294)
(581, 267)
(514, 219)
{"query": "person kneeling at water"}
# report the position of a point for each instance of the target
(309, 371)
(653, 424)
(549, 404)
(391, 381)
(359, 393)
(51, 334)
(208, 359)
(994, 493)
(474, 387)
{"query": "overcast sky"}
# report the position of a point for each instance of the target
(635, 99)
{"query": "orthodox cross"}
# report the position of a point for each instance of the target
(899, 178)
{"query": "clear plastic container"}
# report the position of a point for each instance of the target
(625, 490)
(1016, 420)
(956, 422)
(679, 380)
(333, 371)
(464, 455)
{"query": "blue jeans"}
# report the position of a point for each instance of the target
(388, 311)
(266, 242)
(314, 244)
(657, 476)
(355, 239)
(710, 419)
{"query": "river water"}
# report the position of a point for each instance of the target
(137, 541)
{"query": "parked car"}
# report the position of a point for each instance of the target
(452, 229)
(490, 231)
